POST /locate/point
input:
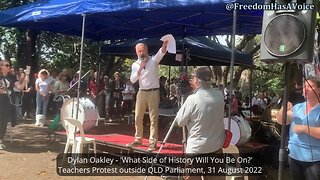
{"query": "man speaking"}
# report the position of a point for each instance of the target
(145, 69)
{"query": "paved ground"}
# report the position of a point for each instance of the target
(32, 156)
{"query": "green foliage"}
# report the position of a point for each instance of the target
(269, 77)
(276, 85)
(61, 51)
(173, 71)
(266, 77)
(166, 70)
(126, 68)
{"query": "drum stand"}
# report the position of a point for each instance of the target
(183, 97)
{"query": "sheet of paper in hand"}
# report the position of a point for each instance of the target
(171, 43)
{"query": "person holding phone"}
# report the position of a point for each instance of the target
(7, 82)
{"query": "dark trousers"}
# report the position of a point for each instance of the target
(99, 101)
(115, 107)
(3, 127)
(304, 170)
(127, 107)
(28, 103)
(6, 110)
(101, 105)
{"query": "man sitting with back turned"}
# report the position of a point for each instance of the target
(145, 69)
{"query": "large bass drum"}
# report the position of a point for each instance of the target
(87, 113)
(240, 128)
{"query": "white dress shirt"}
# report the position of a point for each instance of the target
(149, 78)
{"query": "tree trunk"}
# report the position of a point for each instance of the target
(30, 50)
(237, 75)
(21, 58)
(226, 71)
(217, 71)
(247, 45)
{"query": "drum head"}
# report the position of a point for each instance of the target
(87, 113)
(245, 129)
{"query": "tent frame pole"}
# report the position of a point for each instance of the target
(234, 27)
(81, 59)
(282, 150)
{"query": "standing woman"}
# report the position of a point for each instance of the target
(97, 93)
(304, 133)
(43, 87)
(18, 94)
(60, 88)
(116, 88)
(7, 82)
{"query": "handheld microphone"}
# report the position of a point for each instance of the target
(142, 59)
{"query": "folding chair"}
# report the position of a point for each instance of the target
(77, 142)
(234, 151)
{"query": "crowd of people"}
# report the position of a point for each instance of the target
(114, 97)
(43, 96)
(260, 104)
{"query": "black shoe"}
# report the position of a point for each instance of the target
(152, 147)
(134, 144)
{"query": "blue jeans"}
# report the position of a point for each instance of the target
(42, 104)
(17, 103)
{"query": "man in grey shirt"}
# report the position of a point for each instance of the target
(203, 113)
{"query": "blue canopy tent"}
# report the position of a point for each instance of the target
(202, 51)
(127, 19)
